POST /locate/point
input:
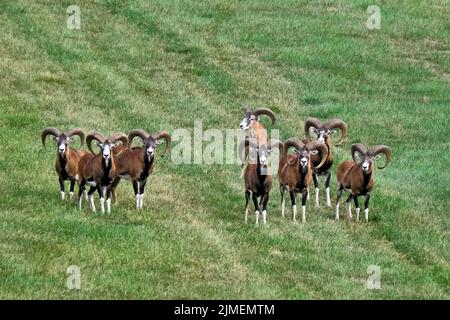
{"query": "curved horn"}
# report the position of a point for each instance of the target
(382, 149)
(338, 123)
(166, 136)
(292, 142)
(52, 131)
(118, 136)
(314, 145)
(267, 112)
(244, 144)
(312, 122)
(94, 136)
(137, 133)
(358, 147)
(76, 132)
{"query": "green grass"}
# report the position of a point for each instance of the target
(163, 65)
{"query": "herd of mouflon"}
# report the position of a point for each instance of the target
(311, 159)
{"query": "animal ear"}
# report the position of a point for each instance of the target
(377, 157)
(100, 145)
(332, 131)
(159, 141)
(54, 138)
(69, 140)
(314, 152)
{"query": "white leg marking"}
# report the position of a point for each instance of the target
(62, 195)
(70, 195)
(264, 216)
(85, 194)
(282, 207)
(246, 214)
(102, 204)
(337, 211)
(349, 210)
(137, 201)
(91, 202)
(141, 200)
(307, 195)
(79, 203)
(108, 205)
(327, 191)
(366, 214)
(294, 213)
(257, 216)
(317, 197)
(357, 214)
(303, 214)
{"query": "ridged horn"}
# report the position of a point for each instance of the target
(118, 136)
(76, 132)
(381, 149)
(292, 142)
(267, 112)
(358, 147)
(166, 136)
(137, 133)
(94, 136)
(312, 122)
(314, 145)
(337, 123)
(49, 131)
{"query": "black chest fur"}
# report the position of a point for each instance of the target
(301, 184)
(106, 177)
(147, 167)
(364, 189)
(62, 165)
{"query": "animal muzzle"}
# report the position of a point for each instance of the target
(264, 163)
(303, 162)
(365, 166)
(243, 125)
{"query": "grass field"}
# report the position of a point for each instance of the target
(165, 64)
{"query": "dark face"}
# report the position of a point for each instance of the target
(106, 151)
(366, 161)
(304, 156)
(62, 142)
(248, 121)
(150, 147)
(323, 134)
